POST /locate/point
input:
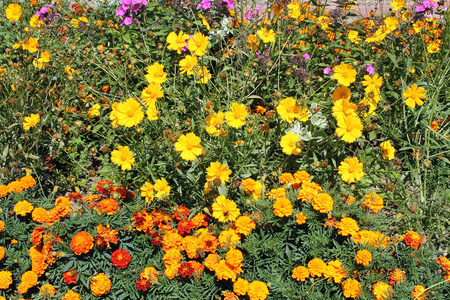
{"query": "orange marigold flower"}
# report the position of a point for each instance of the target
(351, 288)
(40, 215)
(3, 190)
(5, 279)
(71, 295)
(241, 287)
(108, 206)
(244, 225)
(234, 258)
(373, 202)
(29, 279)
(445, 262)
(14, 187)
(100, 285)
(418, 293)
(322, 202)
(413, 239)
(396, 276)
(300, 273)
(363, 257)
(70, 277)
(120, 258)
(2, 252)
(258, 290)
(2, 226)
(316, 267)
(27, 181)
(23, 207)
(347, 226)
(300, 218)
(105, 236)
(229, 238)
(373, 238)
(286, 178)
(47, 291)
(335, 270)
(382, 290)
(282, 207)
(211, 260)
(81, 243)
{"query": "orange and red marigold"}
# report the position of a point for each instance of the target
(413, 239)
(70, 277)
(120, 258)
(100, 285)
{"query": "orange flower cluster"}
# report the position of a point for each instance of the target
(63, 207)
(29, 279)
(252, 187)
(373, 202)
(100, 285)
(445, 262)
(372, 238)
(149, 276)
(17, 186)
(105, 236)
(413, 239)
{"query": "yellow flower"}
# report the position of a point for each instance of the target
(282, 207)
(151, 94)
(288, 109)
(147, 191)
(176, 42)
(258, 290)
(23, 207)
(341, 92)
(382, 290)
(213, 121)
(353, 36)
(300, 273)
(129, 113)
(187, 64)
(236, 117)
(152, 112)
(35, 22)
(161, 188)
(202, 74)
(252, 42)
(204, 21)
(76, 22)
(316, 267)
(31, 121)
(363, 257)
(156, 74)
(322, 202)
(397, 4)
(434, 46)
(289, 144)
(372, 84)
(31, 45)
(68, 70)
(343, 108)
(198, 43)
(189, 146)
(13, 12)
(351, 288)
(225, 210)
(414, 95)
(267, 36)
(216, 170)
(94, 111)
(123, 157)
(324, 22)
(391, 23)
(344, 74)
(349, 128)
(347, 226)
(351, 169)
(387, 150)
(300, 218)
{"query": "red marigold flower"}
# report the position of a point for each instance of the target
(120, 259)
(74, 196)
(70, 277)
(143, 284)
(104, 187)
(413, 239)
(181, 213)
(186, 269)
(185, 226)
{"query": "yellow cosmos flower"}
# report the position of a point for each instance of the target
(189, 146)
(267, 36)
(349, 128)
(152, 112)
(204, 22)
(343, 108)
(94, 111)
(214, 123)
(176, 42)
(341, 92)
(351, 170)
(372, 84)
(288, 144)
(68, 70)
(434, 46)
(202, 74)
(225, 210)
(187, 64)
(35, 22)
(162, 188)
(123, 157)
(31, 121)
(148, 192)
(236, 117)
(31, 45)
(414, 95)
(353, 36)
(76, 22)
(288, 109)
(344, 74)
(387, 150)
(151, 94)
(198, 43)
(13, 12)
(129, 113)
(397, 4)
(216, 170)
(156, 74)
